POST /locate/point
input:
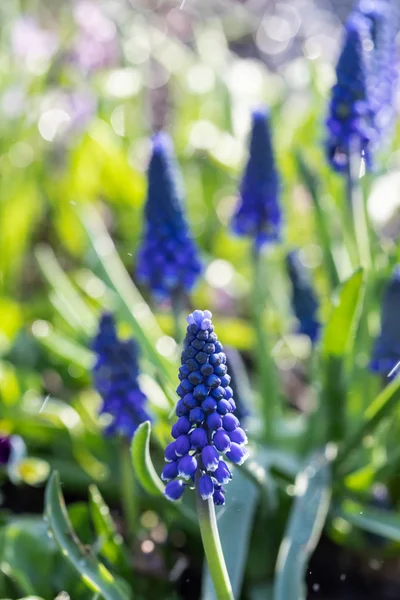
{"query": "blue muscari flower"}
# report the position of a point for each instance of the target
(386, 350)
(384, 20)
(258, 214)
(168, 257)
(115, 377)
(206, 427)
(304, 300)
(351, 119)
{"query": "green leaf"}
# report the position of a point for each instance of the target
(109, 540)
(234, 526)
(27, 556)
(67, 298)
(142, 463)
(382, 407)
(93, 573)
(373, 520)
(341, 326)
(321, 217)
(66, 348)
(306, 521)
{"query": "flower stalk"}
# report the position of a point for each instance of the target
(212, 547)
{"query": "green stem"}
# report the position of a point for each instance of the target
(128, 491)
(355, 200)
(264, 362)
(212, 548)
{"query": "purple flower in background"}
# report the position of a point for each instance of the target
(258, 214)
(386, 350)
(32, 44)
(115, 377)
(207, 429)
(5, 449)
(96, 43)
(384, 21)
(304, 300)
(351, 119)
(168, 258)
(361, 108)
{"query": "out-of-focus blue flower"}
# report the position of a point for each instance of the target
(383, 16)
(96, 44)
(207, 426)
(5, 449)
(258, 214)
(115, 377)
(304, 300)
(351, 119)
(386, 350)
(168, 258)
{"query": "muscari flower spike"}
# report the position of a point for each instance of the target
(168, 257)
(258, 214)
(386, 350)
(351, 118)
(115, 377)
(304, 301)
(207, 428)
(384, 18)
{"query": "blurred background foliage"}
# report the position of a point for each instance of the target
(83, 85)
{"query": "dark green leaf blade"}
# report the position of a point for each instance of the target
(142, 463)
(307, 519)
(93, 573)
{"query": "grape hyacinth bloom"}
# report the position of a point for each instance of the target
(168, 258)
(258, 214)
(386, 350)
(383, 17)
(351, 118)
(304, 300)
(115, 376)
(207, 429)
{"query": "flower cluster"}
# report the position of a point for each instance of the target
(115, 378)
(168, 258)
(206, 425)
(304, 301)
(386, 350)
(351, 119)
(259, 214)
(383, 16)
(361, 107)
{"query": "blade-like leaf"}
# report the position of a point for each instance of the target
(340, 327)
(66, 348)
(78, 310)
(322, 223)
(234, 526)
(336, 343)
(373, 520)
(110, 541)
(142, 463)
(381, 408)
(307, 519)
(93, 573)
